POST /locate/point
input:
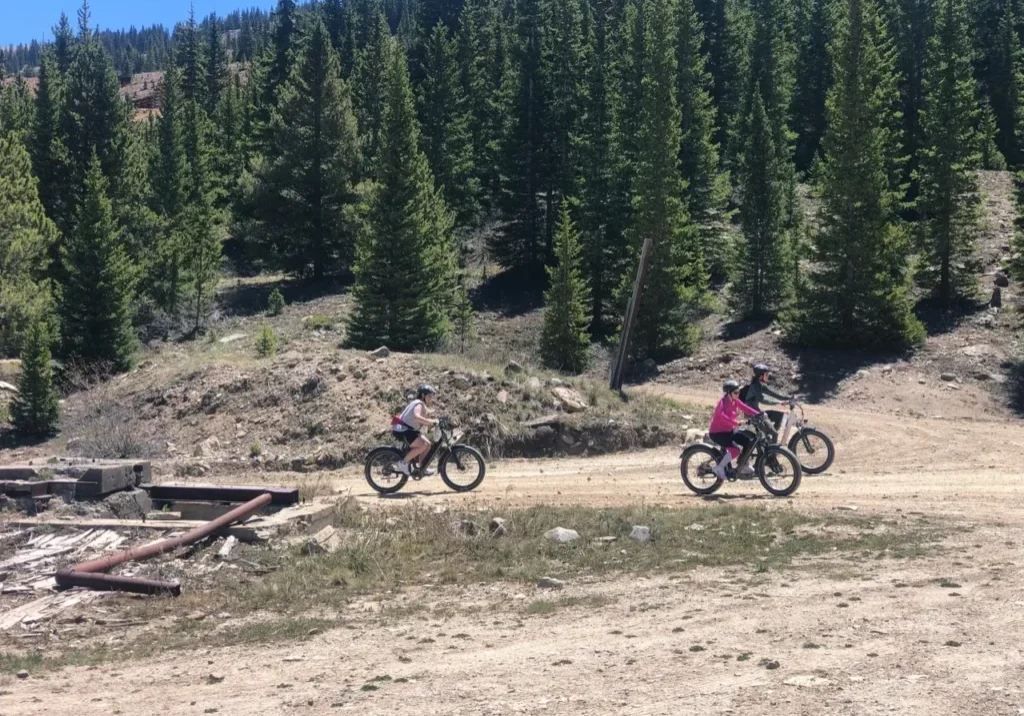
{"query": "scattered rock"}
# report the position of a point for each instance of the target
(229, 544)
(232, 338)
(381, 352)
(1001, 280)
(513, 367)
(498, 528)
(562, 535)
(131, 505)
(887, 369)
(293, 659)
(314, 386)
(533, 385)
(771, 665)
(640, 533)
(8, 387)
(606, 540)
(863, 373)
(806, 680)
(207, 447)
(571, 401)
(22, 674)
(462, 382)
(325, 541)
(503, 397)
(550, 583)
(948, 377)
(847, 508)
(467, 528)
(214, 678)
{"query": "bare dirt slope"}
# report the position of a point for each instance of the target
(936, 635)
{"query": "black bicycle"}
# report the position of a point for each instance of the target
(775, 466)
(462, 467)
(812, 447)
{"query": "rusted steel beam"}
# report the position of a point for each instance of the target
(139, 553)
(67, 578)
(89, 574)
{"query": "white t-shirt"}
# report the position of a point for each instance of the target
(408, 417)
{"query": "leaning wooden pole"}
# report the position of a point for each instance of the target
(622, 352)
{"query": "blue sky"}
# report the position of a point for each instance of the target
(27, 20)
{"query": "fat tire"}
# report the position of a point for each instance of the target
(715, 455)
(476, 455)
(369, 475)
(794, 442)
(784, 454)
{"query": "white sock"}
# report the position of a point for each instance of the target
(724, 462)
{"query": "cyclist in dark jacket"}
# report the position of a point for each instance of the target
(758, 393)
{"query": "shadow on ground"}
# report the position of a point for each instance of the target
(250, 299)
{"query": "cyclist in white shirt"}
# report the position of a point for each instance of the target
(409, 425)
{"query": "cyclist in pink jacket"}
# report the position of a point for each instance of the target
(724, 427)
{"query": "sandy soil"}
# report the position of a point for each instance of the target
(878, 637)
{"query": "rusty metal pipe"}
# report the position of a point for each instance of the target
(67, 578)
(139, 553)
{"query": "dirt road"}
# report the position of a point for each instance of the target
(937, 635)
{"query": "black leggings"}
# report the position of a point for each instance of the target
(737, 438)
(776, 417)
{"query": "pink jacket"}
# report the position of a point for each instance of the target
(726, 417)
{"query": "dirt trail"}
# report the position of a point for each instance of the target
(891, 639)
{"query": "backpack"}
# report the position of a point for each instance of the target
(744, 391)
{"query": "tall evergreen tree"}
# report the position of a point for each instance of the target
(336, 19)
(200, 225)
(26, 238)
(523, 178)
(728, 30)
(445, 121)
(407, 265)
(1006, 85)
(812, 78)
(16, 109)
(96, 300)
(307, 188)
(191, 60)
(49, 153)
(282, 50)
(170, 195)
(63, 42)
(371, 65)
(676, 278)
(988, 147)
(35, 410)
(948, 202)
(761, 279)
(218, 75)
(604, 210)
(856, 294)
(911, 24)
(565, 339)
(707, 188)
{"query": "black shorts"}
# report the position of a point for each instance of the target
(737, 438)
(406, 436)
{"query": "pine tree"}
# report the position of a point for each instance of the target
(565, 338)
(707, 188)
(371, 65)
(35, 410)
(335, 17)
(523, 178)
(170, 188)
(16, 109)
(190, 60)
(676, 278)
(49, 153)
(445, 122)
(407, 264)
(856, 294)
(215, 60)
(911, 24)
(63, 43)
(1007, 88)
(728, 29)
(200, 225)
(604, 211)
(96, 300)
(308, 185)
(283, 48)
(812, 77)
(26, 238)
(462, 317)
(761, 280)
(990, 157)
(948, 203)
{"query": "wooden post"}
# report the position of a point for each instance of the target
(622, 352)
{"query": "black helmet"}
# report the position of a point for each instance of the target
(729, 386)
(760, 369)
(425, 390)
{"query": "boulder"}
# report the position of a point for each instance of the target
(1001, 280)
(570, 400)
(466, 528)
(533, 385)
(498, 528)
(562, 535)
(948, 377)
(503, 397)
(550, 583)
(325, 541)
(640, 533)
(462, 382)
(381, 352)
(513, 367)
(207, 447)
